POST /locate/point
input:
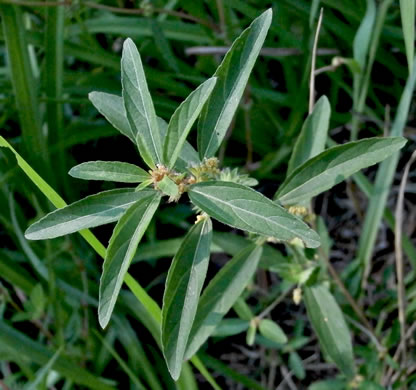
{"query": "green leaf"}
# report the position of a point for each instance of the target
(139, 105)
(112, 108)
(232, 74)
(296, 365)
(183, 286)
(251, 333)
(272, 331)
(329, 324)
(121, 249)
(182, 120)
(94, 210)
(220, 295)
(230, 327)
(244, 208)
(363, 36)
(168, 187)
(312, 138)
(333, 166)
(109, 171)
(407, 12)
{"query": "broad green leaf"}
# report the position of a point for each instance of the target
(220, 295)
(333, 166)
(168, 187)
(182, 120)
(109, 171)
(246, 209)
(272, 331)
(312, 138)
(183, 286)
(112, 108)
(139, 105)
(363, 36)
(121, 249)
(329, 324)
(94, 210)
(232, 76)
(407, 12)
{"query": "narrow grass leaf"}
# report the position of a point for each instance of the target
(24, 347)
(95, 210)
(121, 249)
(312, 138)
(407, 12)
(139, 105)
(272, 331)
(333, 166)
(112, 108)
(182, 120)
(232, 74)
(109, 171)
(363, 36)
(221, 294)
(384, 179)
(183, 286)
(329, 324)
(244, 208)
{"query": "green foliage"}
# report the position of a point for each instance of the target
(270, 256)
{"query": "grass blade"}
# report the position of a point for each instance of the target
(407, 12)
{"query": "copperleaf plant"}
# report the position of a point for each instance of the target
(175, 169)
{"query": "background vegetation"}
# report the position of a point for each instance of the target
(55, 53)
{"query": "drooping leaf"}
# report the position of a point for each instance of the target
(112, 108)
(182, 120)
(244, 208)
(183, 287)
(272, 331)
(95, 210)
(220, 295)
(121, 249)
(139, 105)
(312, 138)
(407, 12)
(333, 166)
(232, 74)
(329, 324)
(109, 171)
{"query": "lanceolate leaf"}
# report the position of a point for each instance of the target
(182, 120)
(139, 105)
(221, 294)
(121, 249)
(94, 210)
(312, 138)
(112, 108)
(272, 331)
(232, 74)
(333, 166)
(329, 324)
(244, 208)
(109, 171)
(183, 286)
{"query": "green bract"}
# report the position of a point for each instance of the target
(190, 314)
